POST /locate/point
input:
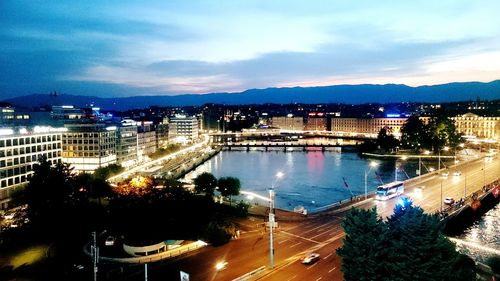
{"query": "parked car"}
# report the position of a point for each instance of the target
(110, 241)
(311, 258)
(445, 174)
(448, 201)
(457, 173)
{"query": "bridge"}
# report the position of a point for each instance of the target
(284, 135)
(303, 145)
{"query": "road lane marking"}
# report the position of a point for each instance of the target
(283, 241)
(294, 235)
(293, 277)
(295, 244)
(319, 278)
(327, 256)
(311, 266)
(329, 271)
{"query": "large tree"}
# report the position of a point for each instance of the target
(205, 183)
(364, 251)
(409, 246)
(229, 186)
(385, 140)
(414, 133)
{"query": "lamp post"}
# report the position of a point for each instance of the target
(279, 175)
(446, 148)
(372, 164)
(465, 174)
(439, 159)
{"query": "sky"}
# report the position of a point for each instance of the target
(126, 48)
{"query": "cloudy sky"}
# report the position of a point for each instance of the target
(123, 48)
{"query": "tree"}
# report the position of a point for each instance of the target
(50, 192)
(363, 253)
(205, 183)
(229, 186)
(385, 140)
(442, 133)
(414, 133)
(409, 246)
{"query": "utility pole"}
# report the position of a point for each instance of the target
(95, 253)
(145, 272)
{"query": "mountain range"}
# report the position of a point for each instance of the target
(348, 94)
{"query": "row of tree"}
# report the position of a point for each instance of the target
(410, 245)
(416, 135)
(435, 135)
(61, 202)
(207, 184)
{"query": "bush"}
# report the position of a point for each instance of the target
(494, 264)
(219, 233)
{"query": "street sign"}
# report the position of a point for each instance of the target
(184, 276)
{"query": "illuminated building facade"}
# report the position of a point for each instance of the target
(471, 124)
(20, 149)
(89, 146)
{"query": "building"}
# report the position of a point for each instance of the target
(9, 116)
(20, 149)
(161, 131)
(471, 124)
(66, 113)
(289, 122)
(316, 121)
(146, 140)
(368, 126)
(89, 146)
(126, 143)
(183, 129)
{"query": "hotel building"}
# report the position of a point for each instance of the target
(289, 122)
(182, 129)
(471, 124)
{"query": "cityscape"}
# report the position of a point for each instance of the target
(249, 140)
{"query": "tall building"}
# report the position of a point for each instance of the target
(146, 140)
(289, 122)
(183, 129)
(20, 149)
(126, 143)
(162, 134)
(471, 124)
(66, 113)
(89, 146)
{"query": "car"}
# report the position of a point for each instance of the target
(417, 191)
(110, 241)
(445, 174)
(457, 173)
(448, 201)
(311, 258)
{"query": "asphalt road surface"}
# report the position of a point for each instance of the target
(320, 233)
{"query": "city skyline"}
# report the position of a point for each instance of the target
(128, 48)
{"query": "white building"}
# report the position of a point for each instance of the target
(471, 124)
(183, 129)
(20, 149)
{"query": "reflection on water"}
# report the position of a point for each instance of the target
(312, 179)
(484, 232)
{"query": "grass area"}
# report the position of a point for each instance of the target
(27, 256)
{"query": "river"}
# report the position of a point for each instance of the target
(311, 179)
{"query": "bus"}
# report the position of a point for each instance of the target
(387, 191)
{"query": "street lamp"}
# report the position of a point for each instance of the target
(396, 167)
(372, 164)
(439, 165)
(446, 148)
(279, 175)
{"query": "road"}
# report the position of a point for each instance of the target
(320, 233)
